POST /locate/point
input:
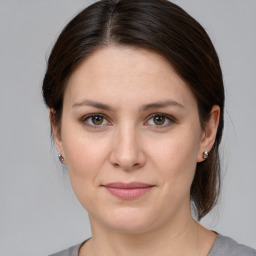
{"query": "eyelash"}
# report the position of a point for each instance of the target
(85, 120)
(169, 118)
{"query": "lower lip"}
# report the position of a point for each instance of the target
(128, 193)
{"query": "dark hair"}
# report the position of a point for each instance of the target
(155, 25)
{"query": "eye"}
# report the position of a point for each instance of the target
(95, 120)
(159, 119)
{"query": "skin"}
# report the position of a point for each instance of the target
(127, 144)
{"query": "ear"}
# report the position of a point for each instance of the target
(55, 131)
(209, 133)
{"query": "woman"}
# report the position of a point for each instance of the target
(136, 100)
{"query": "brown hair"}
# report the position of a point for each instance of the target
(159, 26)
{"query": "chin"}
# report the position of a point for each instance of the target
(129, 220)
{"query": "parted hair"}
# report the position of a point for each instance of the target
(159, 26)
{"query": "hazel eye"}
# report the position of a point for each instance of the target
(95, 120)
(160, 120)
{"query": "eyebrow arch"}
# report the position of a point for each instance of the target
(99, 105)
(92, 103)
(161, 104)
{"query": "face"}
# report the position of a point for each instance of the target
(131, 139)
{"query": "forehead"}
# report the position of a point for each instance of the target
(132, 74)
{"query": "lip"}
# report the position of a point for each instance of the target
(128, 191)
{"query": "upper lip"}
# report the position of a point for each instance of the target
(128, 185)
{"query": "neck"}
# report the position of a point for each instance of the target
(185, 238)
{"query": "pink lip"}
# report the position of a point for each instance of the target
(127, 191)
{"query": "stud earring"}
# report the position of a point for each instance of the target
(205, 155)
(61, 158)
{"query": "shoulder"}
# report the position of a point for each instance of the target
(72, 251)
(225, 246)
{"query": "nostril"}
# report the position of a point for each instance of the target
(127, 155)
(127, 166)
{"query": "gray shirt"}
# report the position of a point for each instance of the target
(223, 246)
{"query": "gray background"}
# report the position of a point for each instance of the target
(38, 211)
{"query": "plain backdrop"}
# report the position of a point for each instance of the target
(38, 212)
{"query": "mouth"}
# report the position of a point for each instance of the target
(128, 191)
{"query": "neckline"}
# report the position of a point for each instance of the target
(211, 251)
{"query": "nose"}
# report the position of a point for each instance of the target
(127, 151)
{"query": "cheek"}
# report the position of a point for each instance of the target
(176, 158)
(84, 157)
(82, 151)
(84, 164)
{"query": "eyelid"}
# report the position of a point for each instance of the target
(167, 116)
(84, 118)
(170, 118)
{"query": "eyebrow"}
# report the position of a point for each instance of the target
(99, 105)
(92, 103)
(161, 104)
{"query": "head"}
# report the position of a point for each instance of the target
(155, 29)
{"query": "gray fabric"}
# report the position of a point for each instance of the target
(223, 246)
(72, 251)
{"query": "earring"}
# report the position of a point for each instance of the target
(61, 158)
(205, 155)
